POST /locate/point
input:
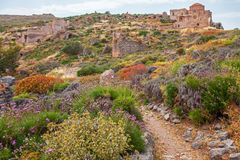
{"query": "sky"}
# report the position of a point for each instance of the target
(225, 11)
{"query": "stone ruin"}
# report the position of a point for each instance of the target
(195, 17)
(55, 29)
(121, 45)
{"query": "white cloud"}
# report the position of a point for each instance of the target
(85, 6)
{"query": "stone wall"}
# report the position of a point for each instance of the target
(121, 45)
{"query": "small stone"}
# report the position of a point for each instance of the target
(217, 153)
(213, 144)
(176, 121)
(159, 110)
(167, 116)
(155, 107)
(150, 106)
(228, 142)
(187, 136)
(234, 156)
(223, 135)
(198, 141)
(218, 126)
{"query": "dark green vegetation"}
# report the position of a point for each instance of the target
(218, 93)
(91, 69)
(8, 57)
(72, 48)
(171, 93)
(13, 131)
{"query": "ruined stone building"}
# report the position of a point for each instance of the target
(121, 45)
(56, 28)
(195, 17)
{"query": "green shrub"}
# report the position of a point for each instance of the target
(5, 154)
(72, 48)
(192, 82)
(143, 33)
(177, 65)
(218, 93)
(156, 33)
(8, 58)
(233, 64)
(197, 117)
(123, 98)
(60, 86)
(136, 136)
(205, 39)
(23, 96)
(179, 112)
(127, 104)
(2, 29)
(29, 124)
(171, 92)
(91, 69)
(79, 137)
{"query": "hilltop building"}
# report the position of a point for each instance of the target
(195, 17)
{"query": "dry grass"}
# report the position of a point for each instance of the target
(90, 79)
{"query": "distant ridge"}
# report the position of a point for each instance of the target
(6, 20)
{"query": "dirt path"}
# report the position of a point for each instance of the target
(169, 145)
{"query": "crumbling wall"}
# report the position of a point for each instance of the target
(121, 45)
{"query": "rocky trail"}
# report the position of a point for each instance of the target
(169, 145)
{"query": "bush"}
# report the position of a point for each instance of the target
(205, 39)
(5, 154)
(143, 33)
(91, 69)
(8, 58)
(136, 136)
(218, 93)
(177, 65)
(2, 29)
(23, 96)
(17, 129)
(86, 137)
(123, 98)
(130, 72)
(156, 33)
(72, 48)
(233, 64)
(127, 104)
(192, 82)
(36, 84)
(171, 92)
(60, 86)
(179, 112)
(197, 117)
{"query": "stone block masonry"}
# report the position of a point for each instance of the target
(122, 46)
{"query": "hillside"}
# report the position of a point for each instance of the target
(103, 86)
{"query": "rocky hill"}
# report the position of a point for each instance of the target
(103, 86)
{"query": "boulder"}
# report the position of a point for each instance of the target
(107, 77)
(198, 141)
(217, 153)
